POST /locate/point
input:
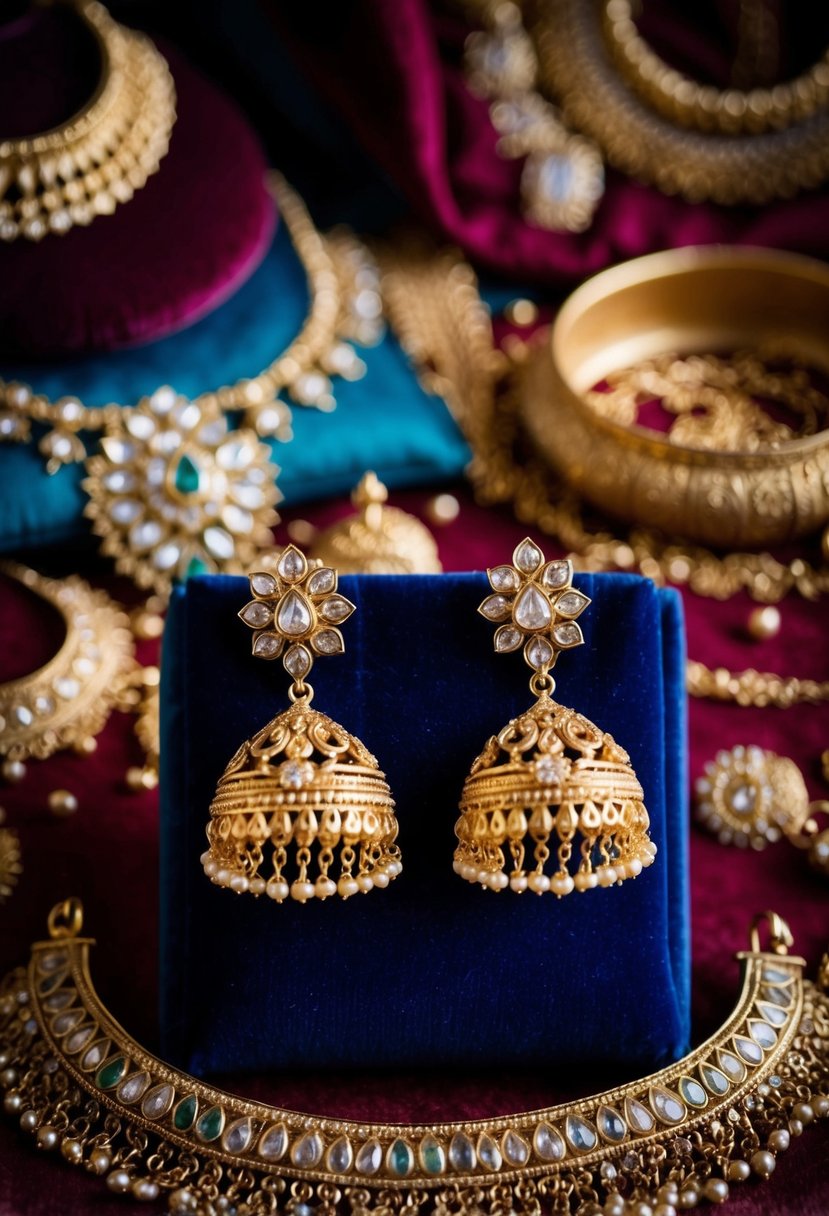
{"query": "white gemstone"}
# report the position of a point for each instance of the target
(267, 645)
(187, 415)
(567, 635)
(693, 1092)
(749, 1050)
(527, 557)
(79, 1039)
(219, 543)
(156, 471)
(611, 1124)
(166, 442)
(504, 578)
(95, 1055)
(273, 1143)
(549, 770)
(733, 1068)
(292, 565)
(774, 975)
(163, 399)
(489, 1154)
(462, 1153)
(269, 420)
(369, 1158)
(340, 1156)
(140, 425)
(309, 387)
(515, 1149)
(770, 1013)
(262, 583)
(235, 454)
(65, 1022)
(294, 774)
(250, 497)
(581, 1135)
(237, 519)
(23, 715)
(256, 614)
(508, 638)
(762, 1034)
(293, 617)
(548, 1143)
(132, 1088)
(67, 687)
(158, 1101)
(322, 581)
(715, 1081)
(118, 450)
(145, 534)
(336, 609)
(539, 653)
(119, 481)
(556, 575)
(166, 556)
(571, 603)
(125, 510)
(237, 1136)
(638, 1117)
(666, 1105)
(532, 609)
(495, 608)
(743, 799)
(327, 641)
(297, 662)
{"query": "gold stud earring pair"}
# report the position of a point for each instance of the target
(303, 810)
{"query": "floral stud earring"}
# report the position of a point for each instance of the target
(302, 787)
(550, 780)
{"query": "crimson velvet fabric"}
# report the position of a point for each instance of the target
(109, 856)
(392, 75)
(184, 243)
(432, 971)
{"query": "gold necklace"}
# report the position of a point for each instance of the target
(77, 1081)
(86, 166)
(173, 490)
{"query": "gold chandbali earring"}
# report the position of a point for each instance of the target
(302, 784)
(550, 775)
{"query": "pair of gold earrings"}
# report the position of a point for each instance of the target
(303, 811)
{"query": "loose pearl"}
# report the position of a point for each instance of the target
(715, 1190)
(62, 803)
(614, 1206)
(779, 1141)
(763, 1163)
(145, 1188)
(72, 1150)
(538, 883)
(100, 1161)
(257, 886)
(119, 1181)
(347, 887)
(381, 879)
(14, 771)
(764, 622)
(28, 1120)
(4, 1055)
(738, 1171)
(239, 883)
(803, 1112)
(47, 1138)
(561, 884)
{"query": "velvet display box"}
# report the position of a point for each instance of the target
(431, 970)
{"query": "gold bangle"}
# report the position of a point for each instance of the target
(77, 1081)
(685, 300)
(750, 687)
(86, 166)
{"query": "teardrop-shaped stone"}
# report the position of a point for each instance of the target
(93, 1056)
(51, 961)
(548, 1143)
(581, 1135)
(532, 609)
(538, 653)
(273, 1142)
(733, 1068)
(772, 1013)
(716, 1082)
(297, 661)
(187, 476)
(219, 542)
(400, 1158)
(639, 1118)
(64, 1022)
(495, 608)
(322, 581)
(503, 578)
(568, 635)
(762, 1034)
(432, 1156)
(292, 565)
(238, 1136)
(776, 975)
(336, 609)
(256, 614)
(185, 1113)
(307, 1151)
(489, 1154)
(79, 1039)
(158, 1101)
(515, 1148)
(611, 1125)
(748, 1050)
(263, 583)
(110, 1073)
(340, 1156)
(527, 556)
(132, 1088)
(59, 1000)
(557, 574)
(571, 603)
(777, 996)
(507, 638)
(666, 1105)
(462, 1153)
(209, 1125)
(267, 645)
(369, 1158)
(293, 616)
(693, 1092)
(328, 641)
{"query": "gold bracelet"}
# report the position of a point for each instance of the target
(750, 687)
(703, 107)
(86, 166)
(77, 1082)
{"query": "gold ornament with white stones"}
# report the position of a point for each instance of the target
(550, 775)
(302, 787)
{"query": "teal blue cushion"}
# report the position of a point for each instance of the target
(384, 421)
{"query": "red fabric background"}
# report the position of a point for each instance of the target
(107, 854)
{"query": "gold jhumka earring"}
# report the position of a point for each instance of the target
(550, 780)
(302, 787)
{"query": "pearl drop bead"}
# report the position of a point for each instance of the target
(277, 889)
(804, 1112)
(688, 1199)
(302, 891)
(47, 1138)
(222, 877)
(205, 857)
(738, 1171)
(664, 1209)
(763, 1163)
(62, 803)
(715, 1190)
(239, 883)
(561, 884)
(634, 867)
(381, 879)
(14, 771)
(119, 1181)
(820, 1106)
(365, 882)
(642, 1209)
(72, 1150)
(211, 868)
(779, 1141)
(394, 867)
(145, 1189)
(607, 876)
(257, 886)
(518, 882)
(764, 622)
(100, 1161)
(28, 1120)
(539, 883)
(182, 1201)
(795, 1127)
(12, 1102)
(584, 881)
(324, 887)
(8, 1077)
(347, 887)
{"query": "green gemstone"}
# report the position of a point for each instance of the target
(401, 1158)
(188, 476)
(209, 1126)
(195, 566)
(110, 1073)
(431, 1156)
(185, 1113)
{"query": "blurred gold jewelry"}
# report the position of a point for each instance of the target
(704, 107)
(687, 300)
(550, 773)
(302, 785)
(751, 797)
(750, 687)
(379, 539)
(10, 862)
(86, 166)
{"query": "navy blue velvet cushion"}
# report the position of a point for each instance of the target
(431, 970)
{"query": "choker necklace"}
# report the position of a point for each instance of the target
(86, 166)
(173, 488)
(78, 1082)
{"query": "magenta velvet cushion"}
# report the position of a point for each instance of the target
(180, 247)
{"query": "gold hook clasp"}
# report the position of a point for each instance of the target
(780, 935)
(66, 919)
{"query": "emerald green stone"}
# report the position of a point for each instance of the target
(110, 1073)
(188, 476)
(209, 1126)
(195, 566)
(431, 1156)
(185, 1113)
(401, 1158)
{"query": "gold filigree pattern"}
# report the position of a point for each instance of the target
(78, 1083)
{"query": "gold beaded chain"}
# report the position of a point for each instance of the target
(750, 687)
